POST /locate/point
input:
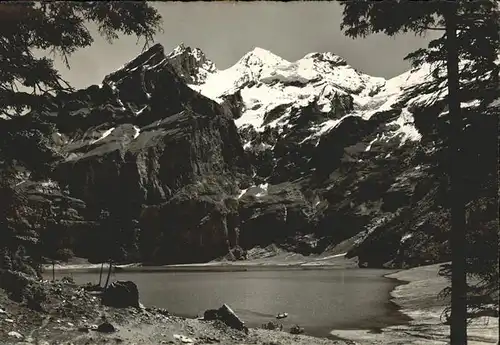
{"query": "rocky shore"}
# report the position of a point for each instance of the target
(68, 314)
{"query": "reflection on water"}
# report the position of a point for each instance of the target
(318, 300)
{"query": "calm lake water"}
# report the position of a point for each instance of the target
(318, 300)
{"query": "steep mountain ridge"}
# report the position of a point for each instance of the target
(195, 163)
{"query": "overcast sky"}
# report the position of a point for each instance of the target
(225, 31)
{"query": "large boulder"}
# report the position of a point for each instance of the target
(106, 327)
(226, 315)
(121, 294)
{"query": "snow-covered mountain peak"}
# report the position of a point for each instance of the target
(196, 53)
(270, 84)
(152, 58)
(247, 70)
(180, 49)
(326, 56)
(321, 87)
(191, 64)
(261, 58)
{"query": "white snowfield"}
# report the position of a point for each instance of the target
(267, 81)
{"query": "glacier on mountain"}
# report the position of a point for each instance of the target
(267, 82)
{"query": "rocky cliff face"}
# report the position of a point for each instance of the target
(193, 163)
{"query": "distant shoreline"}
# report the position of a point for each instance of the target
(330, 262)
(193, 268)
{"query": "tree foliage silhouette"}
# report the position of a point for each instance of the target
(29, 82)
(60, 27)
(469, 49)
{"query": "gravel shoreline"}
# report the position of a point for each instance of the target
(133, 326)
(71, 315)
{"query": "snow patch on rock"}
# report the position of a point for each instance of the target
(407, 130)
(139, 112)
(104, 135)
(137, 132)
(242, 192)
(406, 237)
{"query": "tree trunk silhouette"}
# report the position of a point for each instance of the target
(100, 274)
(53, 271)
(458, 329)
(109, 274)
